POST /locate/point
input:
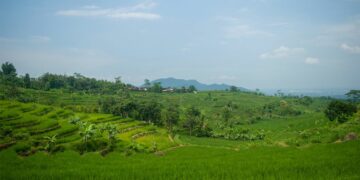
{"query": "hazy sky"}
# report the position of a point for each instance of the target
(249, 43)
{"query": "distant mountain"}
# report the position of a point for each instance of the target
(178, 83)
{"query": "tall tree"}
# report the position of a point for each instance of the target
(171, 117)
(234, 89)
(147, 83)
(156, 87)
(227, 113)
(8, 78)
(27, 81)
(8, 69)
(192, 118)
(192, 88)
(151, 112)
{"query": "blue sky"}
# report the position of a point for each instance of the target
(250, 43)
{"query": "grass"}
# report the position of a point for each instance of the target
(330, 161)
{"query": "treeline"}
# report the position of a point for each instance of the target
(192, 121)
(156, 87)
(48, 81)
(75, 83)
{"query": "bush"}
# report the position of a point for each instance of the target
(90, 146)
(240, 134)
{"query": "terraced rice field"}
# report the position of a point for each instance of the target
(34, 121)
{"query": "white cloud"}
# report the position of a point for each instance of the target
(351, 49)
(282, 52)
(134, 12)
(312, 60)
(240, 31)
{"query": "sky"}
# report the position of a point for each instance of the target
(250, 43)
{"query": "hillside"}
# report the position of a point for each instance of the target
(60, 126)
(178, 83)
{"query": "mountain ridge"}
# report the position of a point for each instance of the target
(178, 83)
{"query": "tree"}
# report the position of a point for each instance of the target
(183, 89)
(156, 87)
(171, 117)
(202, 128)
(8, 77)
(353, 95)
(227, 113)
(209, 96)
(151, 112)
(111, 133)
(8, 69)
(118, 80)
(340, 111)
(234, 89)
(192, 88)
(147, 83)
(27, 82)
(192, 118)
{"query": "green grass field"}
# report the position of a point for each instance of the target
(330, 161)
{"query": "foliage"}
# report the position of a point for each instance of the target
(8, 69)
(240, 134)
(156, 87)
(192, 119)
(353, 95)
(227, 113)
(50, 142)
(172, 117)
(234, 89)
(306, 100)
(340, 111)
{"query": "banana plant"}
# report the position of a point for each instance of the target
(50, 142)
(88, 132)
